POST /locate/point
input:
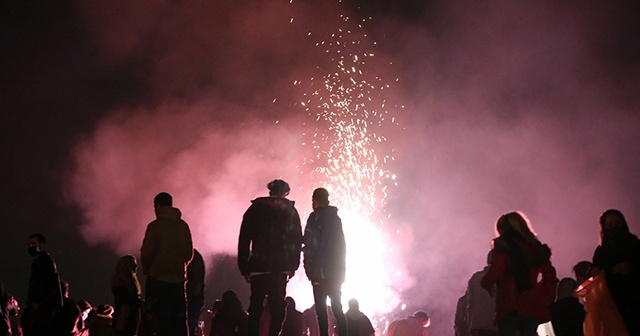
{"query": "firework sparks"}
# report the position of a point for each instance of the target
(347, 105)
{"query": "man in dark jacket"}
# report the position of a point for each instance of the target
(324, 259)
(44, 295)
(269, 253)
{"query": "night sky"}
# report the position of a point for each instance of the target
(498, 106)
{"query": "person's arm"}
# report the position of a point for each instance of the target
(497, 270)
(147, 251)
(244, 242)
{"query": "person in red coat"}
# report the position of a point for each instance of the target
(519, 259)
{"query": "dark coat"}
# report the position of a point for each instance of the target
(324, 245)
(270, 237)
(44, 283)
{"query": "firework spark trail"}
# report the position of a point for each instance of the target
(347, 106)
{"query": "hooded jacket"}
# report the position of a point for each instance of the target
(270, 237)
(167, 247)
(515, 268)
(324, 245)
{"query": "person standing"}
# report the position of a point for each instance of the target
(523, 275)
(324, 260)
(481, 306)
(166, 250)
(618, 258)
(358, 324)
(126, 291)
(44, 295)
(269, 247)
(195, 290)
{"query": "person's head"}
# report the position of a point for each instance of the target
(612, 225)
(85, 308)
(320, 198)
(354, 304)
(162, 199)
(37, 243)
(231, 301)
(581, 271)
(566, 286)
(612, 218)
(423, 317)
(515, 222)
(278, 188)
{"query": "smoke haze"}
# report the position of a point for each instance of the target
(507, 106)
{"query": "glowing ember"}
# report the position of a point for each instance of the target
(347, 107)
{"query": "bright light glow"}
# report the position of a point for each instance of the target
(345, 103)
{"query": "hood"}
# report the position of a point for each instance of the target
(328, 209)
(354, 314)
(169, 212)
(274, 201)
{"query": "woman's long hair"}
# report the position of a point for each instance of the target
(125, 275)
(513, 229)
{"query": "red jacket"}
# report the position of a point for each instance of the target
(533, 302)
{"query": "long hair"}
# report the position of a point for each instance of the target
(512, 229)
(618, 218)
(125, 275)
(517, 223)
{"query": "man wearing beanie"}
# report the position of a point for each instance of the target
(269, 253)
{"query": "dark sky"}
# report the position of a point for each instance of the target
(500, 106)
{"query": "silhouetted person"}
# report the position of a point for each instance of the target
(518, 260)
(567, 313)
(269, 253)
(358, 324)
(101, 321)
(44, 295)
(206, 318)
(166, 251)
(311, 321)
(481, 306)
(8, 311)
(126, 291)
(618, 256)
(68, 318)
(294, 324)
(85, 310)
(324, 259)
(414, 325)
(195, 290)
(460, 323)
(582, 271)
(231, 319)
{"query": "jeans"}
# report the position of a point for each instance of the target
(331, 289)
(273, 286)
(167, 306)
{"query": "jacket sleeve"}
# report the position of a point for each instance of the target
(244, 241)
(147, 251)
(296, 240)
(496, 271)
(549, 282)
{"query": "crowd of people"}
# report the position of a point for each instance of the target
(516, 293)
